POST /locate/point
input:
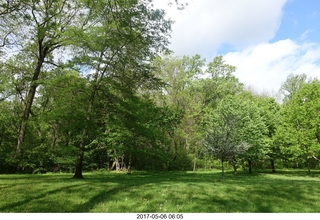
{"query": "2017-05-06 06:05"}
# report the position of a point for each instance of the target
(159, 216)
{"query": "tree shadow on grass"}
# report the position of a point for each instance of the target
(35, 201)
(166, 192)
(253, 196)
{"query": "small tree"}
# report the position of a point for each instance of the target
(224, 137)
(215, 145)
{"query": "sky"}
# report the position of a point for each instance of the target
(265, 40)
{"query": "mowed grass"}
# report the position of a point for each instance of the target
(167, 192)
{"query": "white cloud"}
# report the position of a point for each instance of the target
(207, 24)
(248, 26)
(267, 65)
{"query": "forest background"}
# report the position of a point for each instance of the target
(91, 85)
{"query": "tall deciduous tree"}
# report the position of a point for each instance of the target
(301, 123)
(207, 91)
(270, 113)
(192, 87)
(117, 41)
(180, 74)
(36, 28)
(260, 132)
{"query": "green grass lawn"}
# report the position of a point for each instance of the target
(195, 192)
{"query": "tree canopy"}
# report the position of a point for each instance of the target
(91, 85)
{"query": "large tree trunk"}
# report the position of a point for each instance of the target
(78, 172)
(115, 164)
(273, 169)
(30, 98)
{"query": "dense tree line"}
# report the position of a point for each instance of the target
(91, 85)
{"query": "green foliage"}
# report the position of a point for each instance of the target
(298, 134)
(225, 129)
(86, 86)
(291, 86)
(239, 121)
(233, 128)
